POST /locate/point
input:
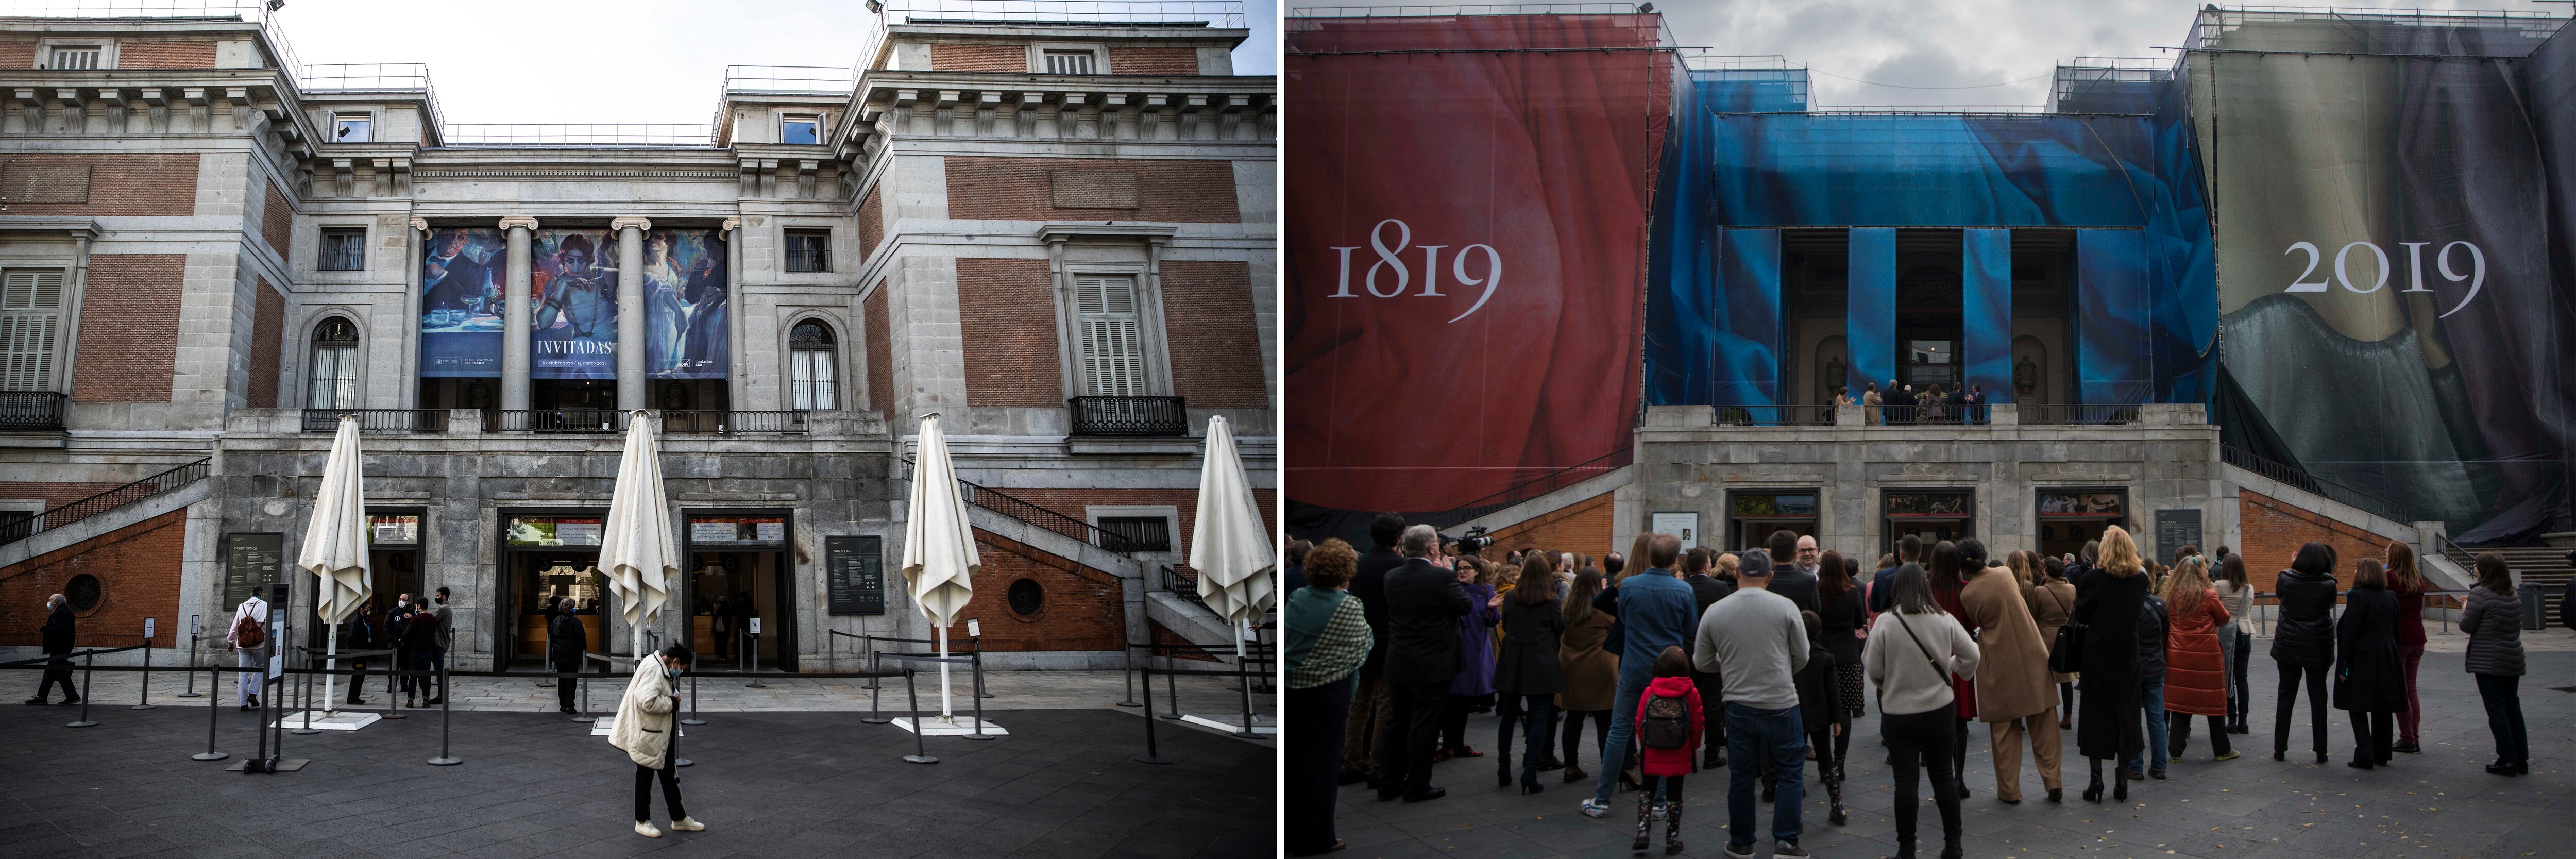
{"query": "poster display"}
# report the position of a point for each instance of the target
(1684, 525)
(572, 295)
(461, 281)
(710, 531)
(684, 304)
(253, 563)
(553, 530)
(572, 283)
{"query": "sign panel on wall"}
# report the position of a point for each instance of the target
(856, 578)
(1684, 525)
(2174, 530)
(253, 562)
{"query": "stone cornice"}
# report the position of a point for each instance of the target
(607, 174)
(76, 227)
(1060, 231)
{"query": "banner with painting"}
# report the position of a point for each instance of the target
(572, 280)
(460, 307)
(685, 305)
(573, 306)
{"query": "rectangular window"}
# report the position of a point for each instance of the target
(1113, 356)
(353, 128)
(333, 383)
(30, 323)
(1137, 533)
(811, 376)
(809, 250)
(806, 130)
(1068, 62)
(77, 56)
(344, 249)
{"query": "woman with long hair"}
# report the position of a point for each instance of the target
(1914, 650)
(2236, 641)
(2493, 620)
(2407, 585)
(1527, 673)
(1591, 674)
(2052, 601)
(2108, 604)
(1842, 617)
(2368, 682)
(1328, 638)
(2195, 668)
(2303, 643)
(1948, 574)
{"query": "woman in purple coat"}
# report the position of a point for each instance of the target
(1473, 690)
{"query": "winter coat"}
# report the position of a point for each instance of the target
(644, 715)
(2305, 635)
(1368, 582)
(2196, 676)
(1476, 643)
(421, 635)
(2050, 604)
(2152, 621)
(58, 631)
(1963, 687)
(2410, 611)
(2368, 677)
(1527, 663)
(2110, 723)
(1591, 674)
(2494, 623)
(1843, 620)
(1684, 760)
(1820, 698)
(2014, 680)
(1423, 605)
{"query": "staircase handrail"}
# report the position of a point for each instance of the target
(95, 505)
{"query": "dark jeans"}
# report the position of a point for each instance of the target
(1536, 716)
(2372, 734)
(1923, 739)
(2289, 701)
(2237, 702)
(1410, 736)
(1711, 700)
(1574, 735)
(564, 686)
(2066, 702)
(1779, 736)
(356, 681)
(421, 660)
(2503, 697)
(670, 776)
(58, 670)
(1317, 717)
(1959, 753)
(2180, 724)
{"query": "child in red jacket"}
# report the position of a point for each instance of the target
(1669, 723)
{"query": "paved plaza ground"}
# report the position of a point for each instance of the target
(783, 772)
(2439, 804)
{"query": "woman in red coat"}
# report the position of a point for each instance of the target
(2195, 672)
(1667, 756)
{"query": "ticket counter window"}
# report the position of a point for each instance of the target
(2068, 518)
(1930, 516)
(1753, 516)
(543, 558)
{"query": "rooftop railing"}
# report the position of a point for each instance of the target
(364, 76)
(820, 79)
(253, 11)
(580, 134)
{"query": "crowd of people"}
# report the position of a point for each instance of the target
(1901, 404)
(1759, 661)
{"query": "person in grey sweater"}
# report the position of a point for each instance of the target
(2493, 620)
(1913, 650)
(1758, 636)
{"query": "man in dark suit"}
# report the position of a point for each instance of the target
(58, 644)
(1706, 591)
(1900, 401)
(1882, 587)
(1788, 579)
(1423, 604)
(566, 638)
(1364, 734)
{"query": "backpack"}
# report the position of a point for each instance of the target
(248, 634)
(1666, 724)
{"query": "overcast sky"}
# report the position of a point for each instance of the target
(1971, 44)
(603, 61)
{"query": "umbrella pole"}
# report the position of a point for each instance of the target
(331, 663)
(1242, 630)
(944, 714)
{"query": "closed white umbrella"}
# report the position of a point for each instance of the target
(939, 557)
(636, 545)
(335, 545)
(1228, 544)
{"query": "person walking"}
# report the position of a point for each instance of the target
(1668, 731)
(566, 640)
(56, 636)
(2236, 640)
(1527, 673)
(1591, 674)
(1472, 690)
(1364, 740)
(1949, 576)
(2303, 643)
(1706, 590)
(1760, 638)
(2014, 697)
(2407, 585)
(1820, 706)
(2108, 605)
(1654, 609)
(2369, 684)
(2195, 668)
(1845, 617)
(644, 730)
(2052, 602)
(1328, 638)
(248, 636)
(2493, 620)
(1424, 603)
(1914, 649)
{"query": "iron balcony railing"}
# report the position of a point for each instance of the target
(1933, 414)
(554, 420)
(1130, 416)
(31, 410)
(1774, 416)
(2300, 479)
(730, 423)
(378, 420)
(19, 529)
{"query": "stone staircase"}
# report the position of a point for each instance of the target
(2545, 566)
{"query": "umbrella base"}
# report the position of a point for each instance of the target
(344, 720)
(962, 726)
(1234, 724)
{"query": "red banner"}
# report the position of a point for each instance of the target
(1467, 250)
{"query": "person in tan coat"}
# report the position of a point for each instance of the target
(2014, 696)
(2052, 601)
(644, 729)
(1591, 674)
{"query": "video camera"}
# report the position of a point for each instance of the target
(1474, 541)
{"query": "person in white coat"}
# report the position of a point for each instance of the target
(250, 620)
(644, 728)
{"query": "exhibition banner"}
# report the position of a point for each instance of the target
(684, 304)
(460, 306)
(572, 281)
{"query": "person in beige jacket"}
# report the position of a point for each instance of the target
(644, 729)
(2014, 696)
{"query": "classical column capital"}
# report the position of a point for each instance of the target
(623, 223)
(732, 224)
(420, 225)
(528, 221)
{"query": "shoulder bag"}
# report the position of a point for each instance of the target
(2066, 654)
(1937, 669)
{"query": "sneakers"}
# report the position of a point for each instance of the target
(2231, 755)
(34, 702)
(1787, 849)
(688, 824)
(1596, 808)
(645, 828)
(1741, 851)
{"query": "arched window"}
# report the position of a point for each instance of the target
(332, 375)
(810, 371)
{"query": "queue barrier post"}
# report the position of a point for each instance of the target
(192, 670)
(975, 652)
(920, 747)
(1171, 685)
(584, 716)
(1127, 655)
(88, 659)
(876, 664)
(146, 702)
(870, 642)
(393, 686)
(1243, 678)
(693, 701)
(978, 699)
(446, 719)
(753, 654)
(214, 705)
(1151, 755)
(304, 695)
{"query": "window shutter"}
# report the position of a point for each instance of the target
(30, 322)
(1112, 349)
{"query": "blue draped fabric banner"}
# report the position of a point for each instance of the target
(1749, 327)
(1870, 308)
(2112, 309)
(1985, 293)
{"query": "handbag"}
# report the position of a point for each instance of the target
(2066, 654)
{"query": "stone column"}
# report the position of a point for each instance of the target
(415, 240)
(737, 394)
(515, 315)
(630, 311)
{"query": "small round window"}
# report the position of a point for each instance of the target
(84, 593)
(1027, 598)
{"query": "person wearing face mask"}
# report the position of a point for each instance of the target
(644, 729)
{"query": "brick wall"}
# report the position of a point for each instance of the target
(1019, 189)
(138, 571)
(881, 392)
(946, 57)
(1153, 61)
(129, 335)
(872, 221)
(2275, 529)
(267, 334)
(165, 55)
(17, 55)
(1008, 319)
(1071, 502)
(1083, 608)
(1215, 342)
(119, 185)
(1582, 528)
(277, 220)
(55, 494)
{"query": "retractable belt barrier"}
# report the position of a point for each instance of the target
(974, 651)
(1152, 754)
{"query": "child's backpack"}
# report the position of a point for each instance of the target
(1666, 724)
